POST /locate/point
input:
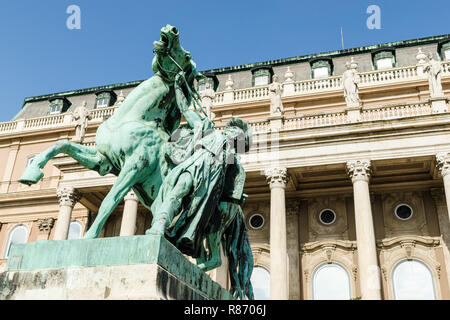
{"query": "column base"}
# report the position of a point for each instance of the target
(138, 267)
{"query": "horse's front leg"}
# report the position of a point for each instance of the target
(127, 178)
(87, 156)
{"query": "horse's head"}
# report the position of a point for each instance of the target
(171, 58)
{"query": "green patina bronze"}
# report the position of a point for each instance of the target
(189, 177)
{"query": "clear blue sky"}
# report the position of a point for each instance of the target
(39, 55)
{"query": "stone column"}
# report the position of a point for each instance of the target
(279, 281)
(128, 226)
(443, 165)
(293, 250)
(45, 227)
(359, 172)
(68, 196)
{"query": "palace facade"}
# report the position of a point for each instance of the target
(348, 179)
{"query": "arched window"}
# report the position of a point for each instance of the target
(331, 282)
(18, 234)
(261, 283)
(75, 230)
(412, 280)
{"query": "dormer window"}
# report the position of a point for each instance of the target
(321, 69)
(445, 51)
(384, 60)
(58, 105)
(262, 76)
(209, 78)
(105, 99)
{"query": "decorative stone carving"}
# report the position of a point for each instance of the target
(120, 98)
(355, 272)
(350, 81)
(68, 196)
(208, 96)
(408, 245)
(81, 116)
(289, 75)
(276, 105)
(359, 170)
(443, 163)
(45, 225)
(434, 70)
(229, 84)
(277, 177)
(421, 57)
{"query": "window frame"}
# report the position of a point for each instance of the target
(383, 54)
(81, 229)
(9, 244)
(260, 72)
(394, 292)
(324, 265)
(321, 63)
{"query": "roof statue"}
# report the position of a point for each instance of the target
(189, 176)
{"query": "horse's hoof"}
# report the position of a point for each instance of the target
(31, 175)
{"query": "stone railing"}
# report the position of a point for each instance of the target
(312, 121)
(388, 76)
(102, 113)
(334, 83)
(395, 111)
(317, 85)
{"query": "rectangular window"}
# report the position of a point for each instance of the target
(321, 72)
(261, 80)
(102, 103)
(56, 108)
(384, 63)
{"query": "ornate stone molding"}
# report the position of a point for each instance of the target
(408, 242)
(359, 170)
(68, 196)
(443, 163)
(277, 177)
(131, 196)
(45, 225)
(346, 245)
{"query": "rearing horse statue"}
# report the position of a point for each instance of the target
(129, 144)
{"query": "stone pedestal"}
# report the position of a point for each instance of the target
(439, 105)
(138, 267)
(276, 122)
(353, 114)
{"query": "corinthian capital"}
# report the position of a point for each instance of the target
(359, 170)
(276, 177)
(68, 196)
(443, 163)
(45, 225)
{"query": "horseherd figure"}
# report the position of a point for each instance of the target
(198, 206)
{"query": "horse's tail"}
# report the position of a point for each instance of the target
(240, 258)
